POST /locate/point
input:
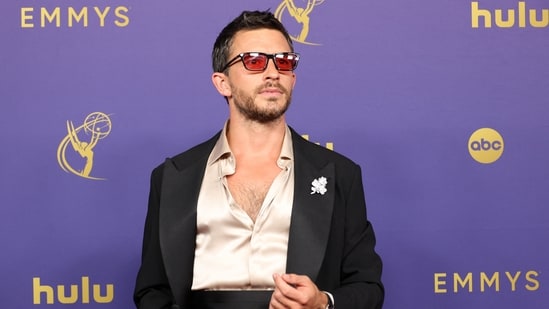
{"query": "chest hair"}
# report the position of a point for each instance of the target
(249, 195)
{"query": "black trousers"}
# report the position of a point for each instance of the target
(231, 299)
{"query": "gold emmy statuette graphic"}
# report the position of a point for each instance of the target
(301, 16)
(96, 127)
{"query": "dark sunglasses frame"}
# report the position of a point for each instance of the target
(288, 56)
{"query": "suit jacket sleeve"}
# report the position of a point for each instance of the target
(152, 289)
(357, 282)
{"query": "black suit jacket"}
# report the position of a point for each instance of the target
(330, 239)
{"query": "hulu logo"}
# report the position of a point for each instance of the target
(77, 293)
(521, 17)
(328, 145)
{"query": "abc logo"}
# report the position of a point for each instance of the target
(486, 145)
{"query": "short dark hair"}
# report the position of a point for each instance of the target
(247, 20)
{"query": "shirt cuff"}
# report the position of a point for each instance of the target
(331, 297)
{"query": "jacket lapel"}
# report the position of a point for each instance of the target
(311, 213)
(181, 184)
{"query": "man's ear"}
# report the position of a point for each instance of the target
(221, 84)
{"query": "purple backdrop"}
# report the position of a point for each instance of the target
(399, 87)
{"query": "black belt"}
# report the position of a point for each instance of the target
(230, 299)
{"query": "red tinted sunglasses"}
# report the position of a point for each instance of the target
(256, 61)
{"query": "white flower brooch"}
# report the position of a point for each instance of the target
(319, 185)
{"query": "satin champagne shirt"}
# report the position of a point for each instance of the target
(233, 252)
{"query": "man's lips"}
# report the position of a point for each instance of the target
(271, 91)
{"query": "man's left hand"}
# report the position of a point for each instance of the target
(296, 291)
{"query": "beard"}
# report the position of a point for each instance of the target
(246, 105)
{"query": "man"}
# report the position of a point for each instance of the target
(257, 217)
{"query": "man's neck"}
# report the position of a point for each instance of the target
(249, 138)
